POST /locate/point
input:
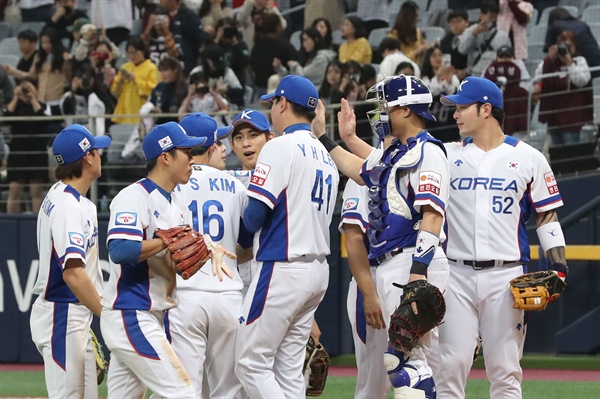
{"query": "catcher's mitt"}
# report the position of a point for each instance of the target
(187, 247)
(533, 291)
(406, 328)
(101, 363)
(316, 367)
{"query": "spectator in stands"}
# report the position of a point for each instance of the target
(87, 96)
(51, 68)
(412, 42)
(405, 68)
(374, 14)
(329, 90)
(6, 88)
(235, 50)
(513, 18)
(36, 10)
(158, 38)
(203, 98)
(356, 47)
(566, 100)
(250, 16)
(65, 16)
(332, 10)
(90, 37)
(186, 29)
(221, 76)
(134, 82)
(269, 44)
(211, 11)
(324, 27)
(115, 16)
(313, 58)
(510, 74)
(561, 20)
(28, 157)
(167, 96)
(458, 21)
(440, 77)
(481, 40)
(103, 61)
(392, 56)
(27, 43)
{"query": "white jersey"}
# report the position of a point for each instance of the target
(135, 214)
(296, 227)
(242, 175)
(355, 209)
(215, 201)
(67, 228)
(493, 194)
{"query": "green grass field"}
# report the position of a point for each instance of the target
(31, 383)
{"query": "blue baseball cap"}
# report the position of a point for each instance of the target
(73, 142)
(165, 137)
(296, 89)
(255, 118)
(475, 90)
(202, 125)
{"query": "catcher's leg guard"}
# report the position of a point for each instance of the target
(405, 379)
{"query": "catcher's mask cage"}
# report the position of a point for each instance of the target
(403, 91)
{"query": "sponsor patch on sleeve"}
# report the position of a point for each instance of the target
(261, 171)
(551, 183)
(350, 204)
(76, 239)
(125, 219)
(430, 182)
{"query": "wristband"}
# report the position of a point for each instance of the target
(328, 142)
(561, 269)
(426, 245)
(418, 268)
(550, 235)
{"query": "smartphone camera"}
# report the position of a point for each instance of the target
(202, 89)
(24, 90)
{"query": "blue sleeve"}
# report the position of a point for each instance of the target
(245, 238)
(255, 215)
(124, 251)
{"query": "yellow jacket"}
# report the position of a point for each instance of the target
(359, 51)
(131, 95)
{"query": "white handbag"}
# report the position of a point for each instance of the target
(12, 14)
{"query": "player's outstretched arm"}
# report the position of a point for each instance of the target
(79, 282)
(151, 248)
(346, 162)
(359, 265)
(347, 129)
(552, 241)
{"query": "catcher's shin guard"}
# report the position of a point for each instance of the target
(405, 379)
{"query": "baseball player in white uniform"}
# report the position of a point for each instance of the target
(408, 189)
(141, 287)
(496, 183)
(204, 324)
(292, 197)
(69, 280)
(370, 338)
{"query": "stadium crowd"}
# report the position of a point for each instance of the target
(141, 59)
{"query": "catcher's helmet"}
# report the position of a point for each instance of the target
(401, 90)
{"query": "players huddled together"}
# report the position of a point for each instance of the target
(224, 306)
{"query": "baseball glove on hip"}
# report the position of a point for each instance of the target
(316, 368)
(406, 327)
(534, 291)
(187, 247)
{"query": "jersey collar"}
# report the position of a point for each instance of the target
(296, 127)
(150, 186)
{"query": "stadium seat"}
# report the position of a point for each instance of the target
(535, 14)
(531, 66)
(595, 28)
(9, 59)
(336, 37)
(119, 134)
(473, 14)
(4, 30)
(136, 27)
(535, 51)
(574, 11)
(34, 26)
(580, 4)
(377, 35)
(537, 34)
(10, 46)
(591, 15)
(433, 33)
(295, 39)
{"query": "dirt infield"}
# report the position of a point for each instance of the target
(528, 374)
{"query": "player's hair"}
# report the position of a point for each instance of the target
(497, 113)
(301, 112)
(150, 165)
(199, 150)
(73, 170)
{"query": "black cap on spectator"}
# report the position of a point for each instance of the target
(505, 51)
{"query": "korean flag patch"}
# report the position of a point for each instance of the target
(165, 143)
